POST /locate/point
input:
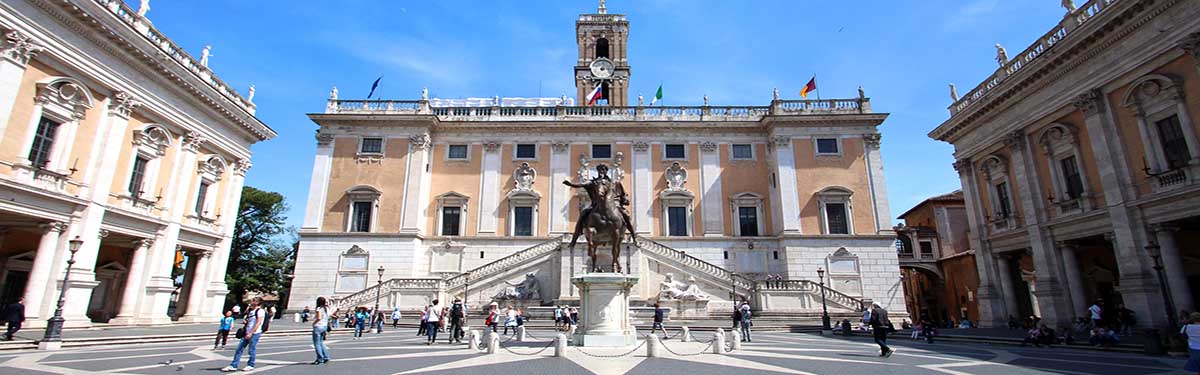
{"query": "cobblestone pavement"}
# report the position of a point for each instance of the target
(398, 352)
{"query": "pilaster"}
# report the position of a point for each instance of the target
(133, 291)
(16, 49)
(1052, 302)
(39, 274)
(416, 179)
(879, 198)
(489, 196)
(318, 188)
(711, 198)
(789, 196)
(560, 195)
(992, 311)
(643, 187)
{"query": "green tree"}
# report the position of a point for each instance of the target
(259, 258)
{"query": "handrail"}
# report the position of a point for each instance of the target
(698, 264)
(810, 286)
(368, 294)
(503, 264)
(600, 113)
(1072, 22)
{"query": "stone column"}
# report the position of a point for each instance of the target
(1050, 300)
(416, 179)
(220, 258)
(1181, 291)
(879, 199)
(1006, 285)
(159, 284)
(318, 188)
(489, 196)
(989, 297)
(643, 189)
(196, 294)
(16, 49)
(127, 313)
(785, 173)
(711, 198)
(1074, 274)
(560, 195)
(39, 273)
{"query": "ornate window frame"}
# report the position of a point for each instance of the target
(344, 271)
(753, 151)
(686, 152)
(747, 199)
(536, 151)
(151, 143)
(210, 170)
(1059, 142)
(370, 157)
(359, 194)
(452, 199)
(63, 100)
(995, 171)
(677, 198)
(522, 198)
(836, 194)
(1153, 98)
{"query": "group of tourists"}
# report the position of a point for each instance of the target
(565, 316)
(436, 318)
(510, 317)
(255, 322)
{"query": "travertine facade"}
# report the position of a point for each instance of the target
(111, 134)
(1080, 166)
(464, 199)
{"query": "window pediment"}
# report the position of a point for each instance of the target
(1151, 89)
(67, 93)
(214, 165)
(153, 137)
(452, 198)
(1058, 138)
(363, 192)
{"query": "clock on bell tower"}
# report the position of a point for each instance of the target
(602, 38)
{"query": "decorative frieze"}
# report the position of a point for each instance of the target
(873, 140)
(19, 48)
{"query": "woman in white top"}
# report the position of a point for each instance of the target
(320, 326)
(1192, 331)
(510, 319)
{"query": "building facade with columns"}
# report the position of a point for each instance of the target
(431, 198)
(1080, 166)
(113, 135)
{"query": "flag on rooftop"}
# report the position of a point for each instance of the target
(810, 87)
(657, 95)
(374, 86)
(594, 95)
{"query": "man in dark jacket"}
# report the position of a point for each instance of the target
(14, 315)
(880, 326)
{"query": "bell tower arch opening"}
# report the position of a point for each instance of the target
(602, 48)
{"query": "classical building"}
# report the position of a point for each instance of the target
(112, 135)
(937, 263)
(432, 198)
(1080, 166)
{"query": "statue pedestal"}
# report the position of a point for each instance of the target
(604, 315)
(686, 308)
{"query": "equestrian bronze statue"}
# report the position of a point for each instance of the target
(606, 220)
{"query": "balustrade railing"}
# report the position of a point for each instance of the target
(504, 264)
(367, 296)
(808, 286)
(696, 264)
(1069, 24)
(602, 113)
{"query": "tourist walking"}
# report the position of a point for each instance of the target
(744, 314)
(255, 316)
(1095, 310)
(1192, 331)
(659, 315)
(226, 324)
(360, 322)
(14, 315)
(379, 319)
(319, 327)
(305, 314)
(433, 317)
(396, 317)
(880, 325)
(493, 316)
(421, 327)
(558, 317)
(458, 317)
(574, 316)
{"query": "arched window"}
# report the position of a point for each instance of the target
(995, 169)
(1165, 126)
(60, 103)
(602, 48)
(1060, 144)
(835, 210)
(364, 199)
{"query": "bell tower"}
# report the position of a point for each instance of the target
(602, 38)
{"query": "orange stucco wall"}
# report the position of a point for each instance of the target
(815, 173)
(457, 176)
(386, 175)
(745, 176)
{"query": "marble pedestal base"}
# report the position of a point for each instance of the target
(604, 314)
(686, 308)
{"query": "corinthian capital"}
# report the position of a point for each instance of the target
(872, 140)
(324, 138)
(963, 166)
(122, 104)
(420, 141)
(1015, 140)
(19, 48)
(242, 166)
(1191, 44)
(1089, 101)
(192, 141)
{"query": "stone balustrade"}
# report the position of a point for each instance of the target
(601, 113)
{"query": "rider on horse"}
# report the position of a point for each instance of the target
(618, 191)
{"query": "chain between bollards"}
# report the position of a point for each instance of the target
(611, 356)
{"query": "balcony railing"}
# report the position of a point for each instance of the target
(601, 113)
(1069, 24)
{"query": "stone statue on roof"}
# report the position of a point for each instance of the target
(1001, 55)
(204, 54)
(953, 92)
(143, 8)
(1069, 5)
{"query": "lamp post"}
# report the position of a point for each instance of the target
(733, 286)
(52, 340)
(1155, 253)
(378, 289)
(466, 287)
(824, 309)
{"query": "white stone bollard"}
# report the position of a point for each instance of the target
(571, 331)
(520, 333)
(652, 344)
(560, 345)
(687, 336)
(473, 340)
(736, 337)
(297, 318)
(718, 344)
(493, 344)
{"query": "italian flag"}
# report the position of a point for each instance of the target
(594, 95)
(657, 95)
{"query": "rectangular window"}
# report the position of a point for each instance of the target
(1005, 208)
(743, 151)
(526, 151)
(362, 217)
(835, 216)
(675, 151)
(524, 218)
(601, 151)
(43, 141)
(138, 175)
(926, 248)
(748, 221)
(677, 221)
(201, 197)
(1173, 144)
(371, 146)
(451, 217)
(1074, 182)
(827, 145)
(457, 152)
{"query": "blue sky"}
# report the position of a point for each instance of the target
(903, 53)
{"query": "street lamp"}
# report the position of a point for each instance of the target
(1155, 253)
(824, 309)
(378, 289)
(466, 287)
(52, 340)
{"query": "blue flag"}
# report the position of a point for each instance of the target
(374, 86)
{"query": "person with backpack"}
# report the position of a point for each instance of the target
(226, 323)
(458, 317)
(256, 318)
(745, 321)
(320, 327)
(421, 327)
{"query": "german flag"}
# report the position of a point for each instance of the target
(810, 87)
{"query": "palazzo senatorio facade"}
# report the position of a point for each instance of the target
(463, 198)
(1080, 167)
(111, 135)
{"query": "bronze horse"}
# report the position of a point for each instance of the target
(603, 222)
